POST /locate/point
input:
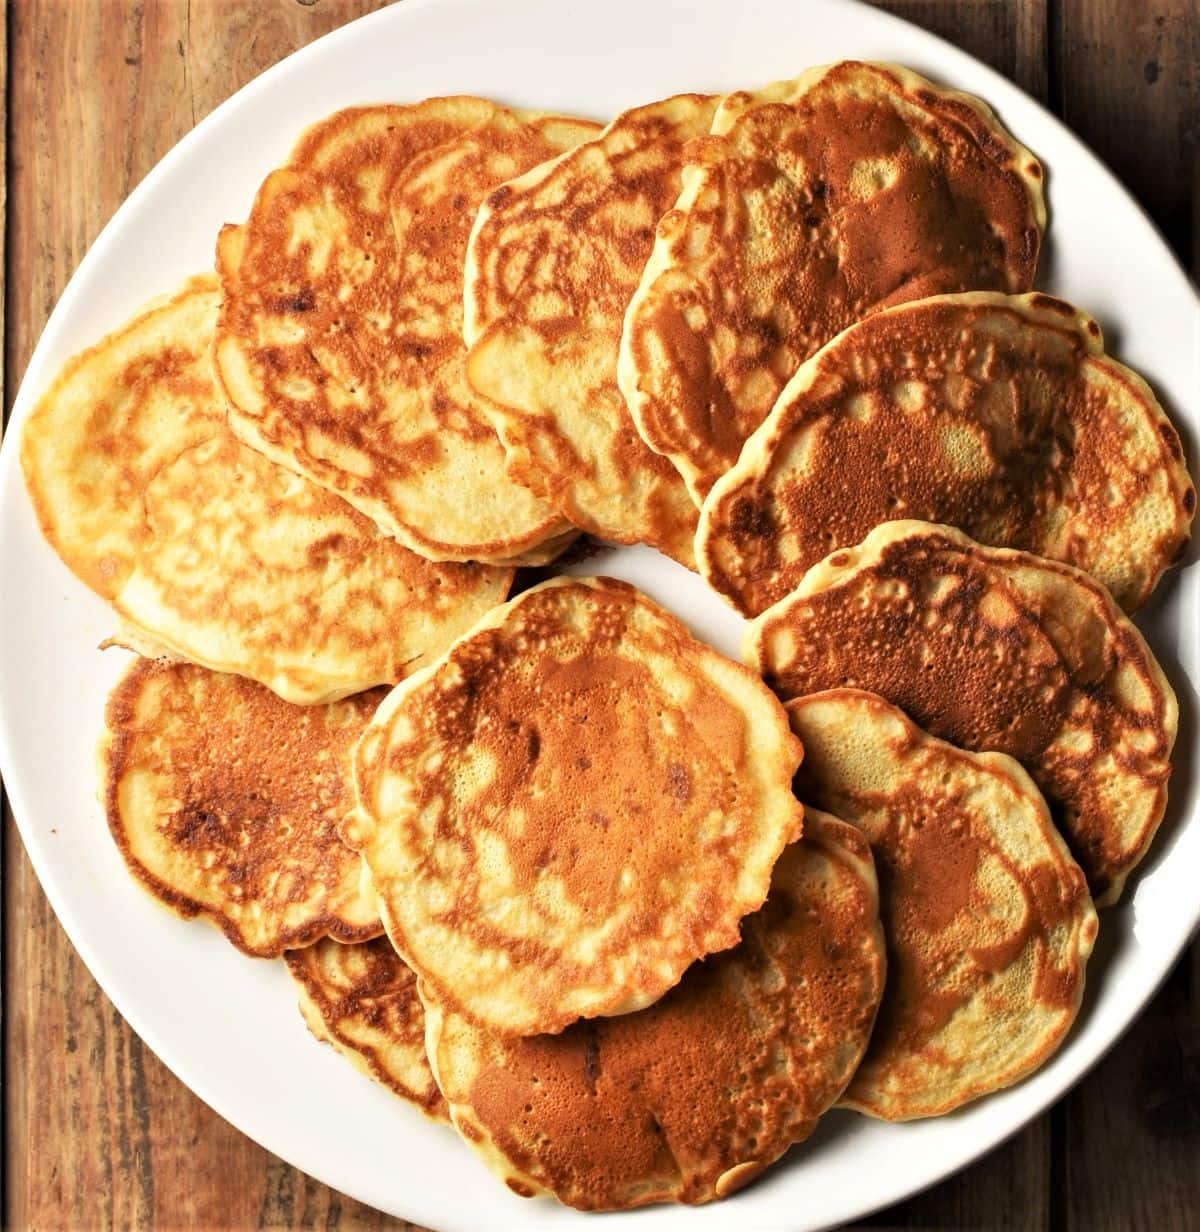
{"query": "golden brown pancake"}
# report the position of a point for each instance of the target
(362, 1000)
(554, 257)
(993, 650)
(988, 920)
(569, 808)
(692, 1098)
(339, 345)
(815, 202)
(225, 803)
(999, 415)
(208, 551)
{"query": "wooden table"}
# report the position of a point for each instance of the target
(98, 1133)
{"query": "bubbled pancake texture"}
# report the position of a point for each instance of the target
(814, 203)
(573, 805)
(553, 260)
(340, 341)
(693, 1097)
(225, 802)
(363, 1000)
(209, 550)
(999, 415)
(988, 919)
(992, 649)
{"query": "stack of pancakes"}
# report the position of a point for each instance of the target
(631, 916)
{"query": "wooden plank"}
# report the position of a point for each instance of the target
(1128, 82)
(1008, 35)
(98, 1132)
(1129, 86)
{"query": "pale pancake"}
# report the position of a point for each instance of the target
(987, 917)
(570, 807)
(815, 202)
(208, 551)
(993, 650)
(339, 345)
(692, 1098)
(362, 1000)
(225, 802)
(997, 414)
(554, 257)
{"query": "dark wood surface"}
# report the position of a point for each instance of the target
(97, 1132)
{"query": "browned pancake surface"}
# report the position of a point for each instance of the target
(992, 649)
(339, 343)
(208, 551)
(553, 261)
(692, 1098)
(575, 803)
(815, 203)
(1000, 415)
(225, 801)
(988, 919)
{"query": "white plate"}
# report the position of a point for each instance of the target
(228, 1026)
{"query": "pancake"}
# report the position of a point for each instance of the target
(815, 202)
(993, 650)
(999, 415)
(570, 807)
(211, 553)
(339, 345)
(692, 1098)
(363, 1001)
(225, 802)
(554, 257)
(988, 919)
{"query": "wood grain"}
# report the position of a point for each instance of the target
(1129, 85)
(1008, 35)
(98, 1132)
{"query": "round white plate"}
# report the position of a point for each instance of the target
(228, 1026)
